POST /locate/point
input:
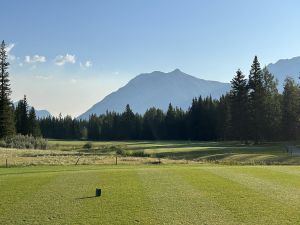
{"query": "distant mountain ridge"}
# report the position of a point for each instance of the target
(285, 67)
(158, 89)
(42, 113)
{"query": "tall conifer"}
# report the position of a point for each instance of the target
(7, 126)
(256, 100)
(239, 106)
(290, 109)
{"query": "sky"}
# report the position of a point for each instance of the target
(67, 55)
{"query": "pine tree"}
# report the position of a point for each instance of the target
(194, 119)
(21, 117)
(7, 126)
(290, 109)
(93, 127)
(153, 121)
(170, 123)
(128, 120)
(33, 126)
(272, 106)
(224, 121)
(239, 107)
(256, 100)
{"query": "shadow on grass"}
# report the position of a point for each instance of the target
(168, 145)
(216, 153)
(82, 198)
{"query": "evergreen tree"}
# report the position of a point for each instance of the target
(224, 121)
(194, 119)
(209, 120)
(290, 110)
(170, 123)
(153, 122)
(18, 119)
(239, 107)
(127, 124)
(272, 106)
(33, 126)
(93, 127)
(7, 126)
(21, 117)
(256, 101)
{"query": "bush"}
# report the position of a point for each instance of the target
(88, 145)
(138, 154)
(120, 151)
(24, 142)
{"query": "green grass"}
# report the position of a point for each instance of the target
(164, 194)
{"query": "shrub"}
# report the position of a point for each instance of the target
(24, 142)
(138, 154)
(120, 151)
(88, 145)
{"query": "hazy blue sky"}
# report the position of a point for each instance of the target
(67, 55)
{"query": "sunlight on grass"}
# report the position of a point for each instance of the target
(175, 194)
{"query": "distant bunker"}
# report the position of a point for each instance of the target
(293, 150)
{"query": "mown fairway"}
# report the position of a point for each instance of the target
(157, 194)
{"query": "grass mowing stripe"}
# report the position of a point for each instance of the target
(248, 205)
(185, 194)
(17, 195)
(293, 170)
(174, 201)
(122, 202)
(276, 177)
(287, 195)
(69, 199)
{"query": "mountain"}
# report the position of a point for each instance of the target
(285, 67)
(158, 89)
(42, 113)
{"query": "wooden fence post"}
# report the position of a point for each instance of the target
(77, 161)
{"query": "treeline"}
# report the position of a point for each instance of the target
(253, 110)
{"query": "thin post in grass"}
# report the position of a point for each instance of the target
(6, 164)
(116, 158)
(77, 161)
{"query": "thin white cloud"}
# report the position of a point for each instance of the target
(86, 65)
(35, 59)
(8, 49)
(43, 77)
(61, 60)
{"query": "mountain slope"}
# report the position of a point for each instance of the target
(285, 67)
(42, 113)
(158, 89)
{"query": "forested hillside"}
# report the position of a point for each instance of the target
(253, 110)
